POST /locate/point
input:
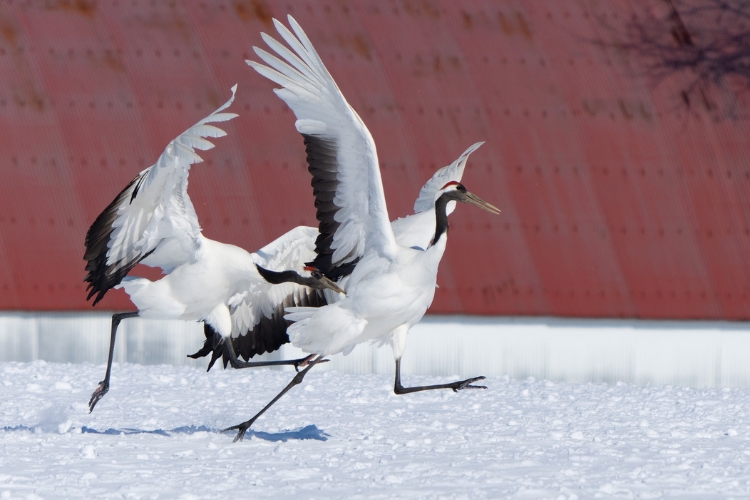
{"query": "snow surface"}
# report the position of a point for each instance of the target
(348, 436)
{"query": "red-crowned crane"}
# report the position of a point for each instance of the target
(414, 230)
(152, 221)
(390, 285)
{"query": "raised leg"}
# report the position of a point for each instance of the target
(244, 426)
(104, 384)
(236, 363)
(219, 347)
(456, 386)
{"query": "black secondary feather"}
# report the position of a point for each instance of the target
(266, 336)
(322, 164)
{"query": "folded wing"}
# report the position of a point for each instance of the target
(258, 324)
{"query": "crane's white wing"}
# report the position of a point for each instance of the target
(152, 219)
(341, 153)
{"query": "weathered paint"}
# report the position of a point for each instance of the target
(616, 201)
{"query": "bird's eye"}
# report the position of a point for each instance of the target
(461, 188)
(316, 274)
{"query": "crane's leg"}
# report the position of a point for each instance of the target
(398, 344)
(244, 426)
(219, 347)
(456, 386)
(236, 363)
(104, 384)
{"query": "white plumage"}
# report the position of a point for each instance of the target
(389, 271)
(393, 284)
(152, 221)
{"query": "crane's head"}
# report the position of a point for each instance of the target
(455, 191)
(316, 279)
(308, 276)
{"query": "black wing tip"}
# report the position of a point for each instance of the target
(101, 276)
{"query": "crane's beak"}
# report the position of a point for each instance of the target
(473, 199)
(327, 283)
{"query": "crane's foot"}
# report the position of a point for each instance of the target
(241, 429)
(466, 384)
(98, 394)
(244, 426)
(301, 363)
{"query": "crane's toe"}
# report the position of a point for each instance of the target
(301, 363)
(98, 394)
(241, 430)
(466, 384)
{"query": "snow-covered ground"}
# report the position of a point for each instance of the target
(348, 436)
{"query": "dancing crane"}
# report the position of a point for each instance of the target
(152, 221)
(415, 230)
(390, 285)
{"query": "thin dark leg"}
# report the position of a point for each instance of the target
(244, 426)
(236, 363)
(104, 384)
(456, 386)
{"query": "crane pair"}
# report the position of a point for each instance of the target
(357, 277)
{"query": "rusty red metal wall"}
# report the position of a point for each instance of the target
(616, 201)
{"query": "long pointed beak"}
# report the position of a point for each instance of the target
(330, 284)
(473, 199)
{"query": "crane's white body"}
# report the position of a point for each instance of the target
(394, 283)
(385, 297)
(153, 222)
(221, 285)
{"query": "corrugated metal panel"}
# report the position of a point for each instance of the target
(616, 201)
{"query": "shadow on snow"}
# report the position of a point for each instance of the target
(307, 432)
